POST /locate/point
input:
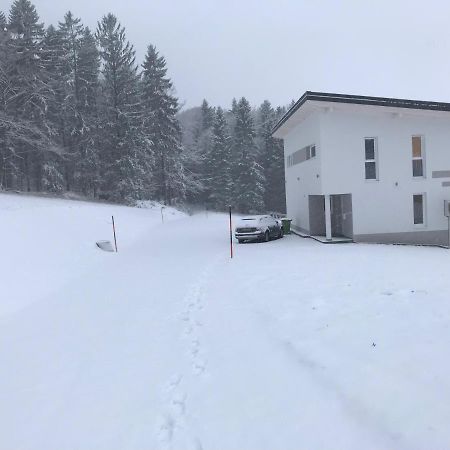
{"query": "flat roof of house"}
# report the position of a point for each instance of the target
(361, 100)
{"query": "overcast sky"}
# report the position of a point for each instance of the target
(277, 49)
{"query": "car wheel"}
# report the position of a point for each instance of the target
(266, 236)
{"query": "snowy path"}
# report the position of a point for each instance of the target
(170, 345)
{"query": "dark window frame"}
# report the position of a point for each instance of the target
(418, 162)
(371, 160)
(419, 209)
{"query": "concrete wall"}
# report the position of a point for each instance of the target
(302, 179)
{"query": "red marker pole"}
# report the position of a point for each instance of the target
(231, 236)
(114, 231)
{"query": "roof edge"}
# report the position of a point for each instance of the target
(361, 100)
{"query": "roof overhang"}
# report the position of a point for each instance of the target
(311, 102)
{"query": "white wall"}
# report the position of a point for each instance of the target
(381, 206)
(305, 178)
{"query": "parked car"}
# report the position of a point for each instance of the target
(278, 217)
(258, 228)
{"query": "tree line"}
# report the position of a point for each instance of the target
(234, 158)
(77, 113)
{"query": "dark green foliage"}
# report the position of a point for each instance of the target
(248, 179)
(272, 159)
(3, 22)
(259, 155)
(219, 161)
(76, 114)
(87, 161)
(28, 96)
(161, 128)
(207, 116)
(121, 150)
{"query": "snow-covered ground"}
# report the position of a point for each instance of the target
(169, 344)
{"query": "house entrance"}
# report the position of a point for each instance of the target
(340, 217)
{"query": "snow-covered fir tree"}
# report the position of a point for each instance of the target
(87, 164)
(122, 156)
(201, 148)
(3, 22)
(219, 161)
(271, 157)
(75, 114)
(29, 93)
(52, 167)
(161, 128)
(70, 32)
(207, 116)
(247, 175)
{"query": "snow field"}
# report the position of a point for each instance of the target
(169, 344)
(47, 241)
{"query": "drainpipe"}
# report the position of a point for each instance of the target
(328, 217)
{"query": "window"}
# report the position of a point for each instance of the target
(371, 158)
(419, 208)
(301, 155)
(417, 156)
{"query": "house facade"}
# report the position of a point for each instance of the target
(370, 169)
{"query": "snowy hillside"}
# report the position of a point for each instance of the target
(46, 242)
(169, 344)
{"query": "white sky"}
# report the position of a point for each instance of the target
(277, 49)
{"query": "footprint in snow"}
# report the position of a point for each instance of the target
(174, 381)
(199, 368)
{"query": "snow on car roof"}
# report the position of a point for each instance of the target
(254, 218)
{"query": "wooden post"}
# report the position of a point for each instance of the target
(114, 231)
(231, 236)
(162, 215)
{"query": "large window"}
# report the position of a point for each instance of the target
(419, 209)
(371, 151)
(417, 156)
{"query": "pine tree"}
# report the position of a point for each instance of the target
(272, 159)
(30, 92)
(70, 33)
(162, 129)
(87, 165)
(3, 22)
(121, 150)
(207, 116)
(26, 68)
(247, 173)
(220, 186)
(49, 167)
(78, 87)
(201, 148)
(234, 106)
(24, 134)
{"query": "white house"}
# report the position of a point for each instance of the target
(368, 168)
